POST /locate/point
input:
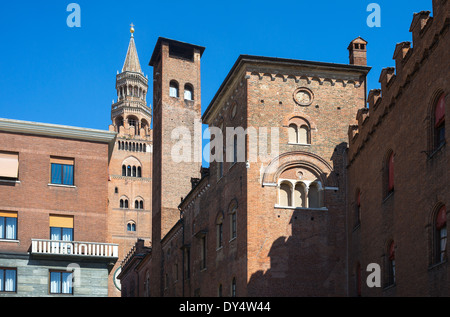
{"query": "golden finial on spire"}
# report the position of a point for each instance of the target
(132, 29)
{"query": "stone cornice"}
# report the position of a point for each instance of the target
(59, 131)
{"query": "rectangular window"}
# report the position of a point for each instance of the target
(9, 165)
(61, 282)
(8, 280)
(62, 171)
(61, 228)
(8, 225)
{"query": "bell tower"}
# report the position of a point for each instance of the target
(130, 168)
(130, 114)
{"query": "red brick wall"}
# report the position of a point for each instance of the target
(172, 180)
(299, 252)
(131, 188)
(401, 121)
(35, 200)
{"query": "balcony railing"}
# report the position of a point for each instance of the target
(73, 248)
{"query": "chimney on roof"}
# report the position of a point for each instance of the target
(358, 52)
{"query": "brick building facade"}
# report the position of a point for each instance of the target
(398, 169)
(307, 219)
(313, 178)
(53, 210)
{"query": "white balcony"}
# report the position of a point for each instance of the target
(73, 248)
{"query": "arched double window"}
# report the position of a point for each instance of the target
(139, 204)
(124, 203)
(131, 226)
(299, 131)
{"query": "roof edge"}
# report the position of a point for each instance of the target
(158, 44)
(255, 58)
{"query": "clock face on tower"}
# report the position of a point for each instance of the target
(303, 96)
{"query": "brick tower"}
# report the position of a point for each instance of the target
(131, 162)
(177, 109)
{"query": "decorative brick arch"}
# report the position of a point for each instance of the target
(132, 161)
(296, 118)
(321, 168)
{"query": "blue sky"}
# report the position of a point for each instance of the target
(55, 74)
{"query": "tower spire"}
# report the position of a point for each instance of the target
(132, 63)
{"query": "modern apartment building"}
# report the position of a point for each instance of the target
(53, 210)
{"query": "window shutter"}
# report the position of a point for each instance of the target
(8, 214)
(440, 111)
(9, 165)
(391, 172)
(62, 161)
(61, 222)
(441, 219)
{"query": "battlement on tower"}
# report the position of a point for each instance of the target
(409, 57)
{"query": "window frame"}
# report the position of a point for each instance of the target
(61, 233)
(174, 89)
(190, 89)
(295, 126)
(219, 231)
(3, 279)
(62, 176)
(61, 278)
(233, 223)
(233, 287)
(5, 224)
(9, 156)
(440, 253)
(131, 226)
